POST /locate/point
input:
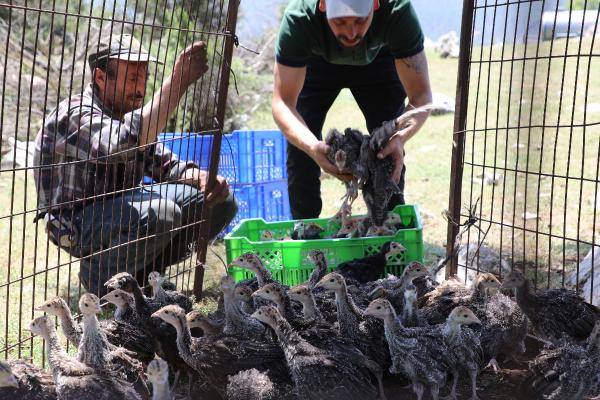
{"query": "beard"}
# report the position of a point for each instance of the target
(345, 42)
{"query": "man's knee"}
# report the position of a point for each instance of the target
(163, 216)
(222, 215)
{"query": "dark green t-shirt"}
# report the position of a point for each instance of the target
(304, 33)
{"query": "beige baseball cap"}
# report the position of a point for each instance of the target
(121, 47)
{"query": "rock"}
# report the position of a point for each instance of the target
(527, 216)
(486, 260)
(448, 45)
(591, 262)
(17, 154)
(442, 104)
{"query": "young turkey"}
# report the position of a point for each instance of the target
(318, 374)
(369, 268)
(23, 381)
(553, 313)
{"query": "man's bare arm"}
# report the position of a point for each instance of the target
(189, 67)
(287, 86)
(414, 75)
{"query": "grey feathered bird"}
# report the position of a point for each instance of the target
(215, 358)
(377, 183)
(553, 313)
(73, 379)
(95, 351)
(23, 381)
(253, 384)
(318, 374)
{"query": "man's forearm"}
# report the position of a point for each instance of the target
(156, 113)
(293, 126)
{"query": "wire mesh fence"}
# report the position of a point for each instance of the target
(526, 156)
(74, 204)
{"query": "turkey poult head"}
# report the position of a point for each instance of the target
(155, 279)
(118, 297)
(242, 293)
(89, 304)
(249, 261)
(332, 282)
(227, 284)
(393, 219)
(123, 281)
(299, 293)
(171, 314)
(266, 236)
(41, 326)
(196, 320)
(485, 281)
(316, 256)
(463, 316)
(267, 315)
(514, 280)
(7, 379)
(349, 227)
(271, 292)
(56, 307)
(380, 308)
(392, 248)
(158, 372)
(415, 270)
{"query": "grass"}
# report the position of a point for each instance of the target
(565, 206)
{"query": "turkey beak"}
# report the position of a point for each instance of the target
(155, 315)
(39, 308)
(103, 298)
(475, 320)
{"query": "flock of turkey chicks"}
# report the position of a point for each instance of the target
(335, 337)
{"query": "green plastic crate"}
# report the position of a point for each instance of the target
(288, 260)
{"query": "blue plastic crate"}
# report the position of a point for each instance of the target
(268, 201)
(246, 156)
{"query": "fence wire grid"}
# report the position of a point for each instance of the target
(44, 48)
(526, 155)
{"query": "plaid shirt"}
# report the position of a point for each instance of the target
(82, 153)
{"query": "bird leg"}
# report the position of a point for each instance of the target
(419, 389)
(493, 364)
(435, 392)
(452, 395)
(380, 386)
(473, 374)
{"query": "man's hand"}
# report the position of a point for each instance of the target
(395, 149)
(318, 152)
(191, 64)
(199, 179)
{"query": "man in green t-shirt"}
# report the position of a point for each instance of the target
(372, 47)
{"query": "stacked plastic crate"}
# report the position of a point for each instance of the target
(253, 162)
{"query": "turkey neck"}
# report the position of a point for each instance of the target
(69, 326)
(91, 347)
(233, 313)
(159, 294)
(123, 311)
(284, 306)
(451, 330)
(262, 275)
(289, 340)
(184, 339)
(56, 354)
(349, 315)
(160, 391)
(410, 308)
(524, 294)
(392, 326)
(309, 308)
(140, 301)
